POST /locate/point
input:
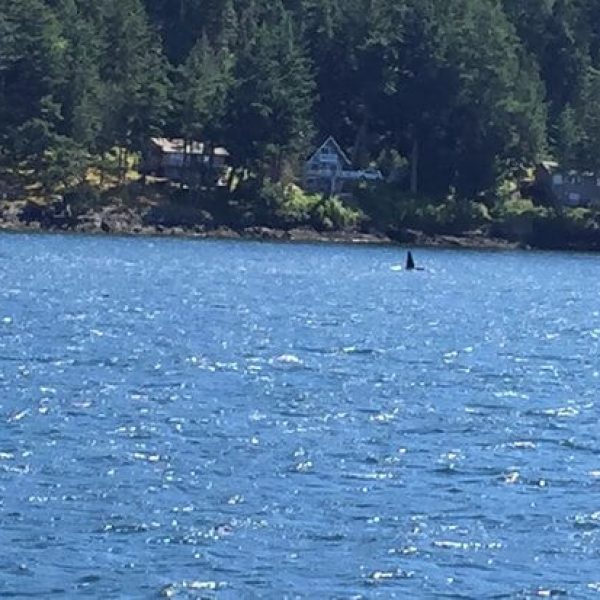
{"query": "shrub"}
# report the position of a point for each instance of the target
(332, 213)
(83, 197)
(519, 207)
(453, 216)
(288, 206)
(390, 209)
(581, 219)
(296, 207)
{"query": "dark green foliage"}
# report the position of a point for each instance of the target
(134, 74)
(31, 57)
(269, 113)
(201, 91)
(462, 93)
(388, 211)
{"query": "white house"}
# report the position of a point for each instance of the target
(329, 169)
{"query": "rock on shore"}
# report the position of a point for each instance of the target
(124, 220)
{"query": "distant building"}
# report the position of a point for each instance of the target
(566, 188)
(329, 170)
(180, 160)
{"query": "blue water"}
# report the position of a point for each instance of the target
(200, 419)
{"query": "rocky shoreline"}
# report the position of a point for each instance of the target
(122, 220)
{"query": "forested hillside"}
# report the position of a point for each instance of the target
(468, 90)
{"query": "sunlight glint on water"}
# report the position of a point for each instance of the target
(240, 420)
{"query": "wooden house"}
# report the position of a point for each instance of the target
(181, 160)
(566, 187)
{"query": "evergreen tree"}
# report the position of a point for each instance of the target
(464, 91)
(588, 156)
(83, 94)
(31, 58)
(499, 115)
(202, 89)
(269, 113)
(134, 73)
(567, 138)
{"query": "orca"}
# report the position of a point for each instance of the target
(410, 263)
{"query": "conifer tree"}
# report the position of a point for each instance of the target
(134, 73)
(464, 91)
(269, 114)
(201, 94)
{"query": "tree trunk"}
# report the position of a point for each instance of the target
(209, 180)
(142, 164)
(215, 173)
(230, 178)
(360, 143)
(414, 167)
(125, 165)
(102, 166)
(183, 173)
(120, 161)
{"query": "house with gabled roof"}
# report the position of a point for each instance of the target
(329, 170)
(565, 187)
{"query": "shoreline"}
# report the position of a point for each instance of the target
(136, 220)
(414, 239)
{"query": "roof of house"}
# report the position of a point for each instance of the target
(180, 146)
(336, 146)
(549, 165)
(552, 167)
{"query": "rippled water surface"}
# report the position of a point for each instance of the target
(242, 420)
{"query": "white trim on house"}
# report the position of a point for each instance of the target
(330, 141)
(329, 168)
